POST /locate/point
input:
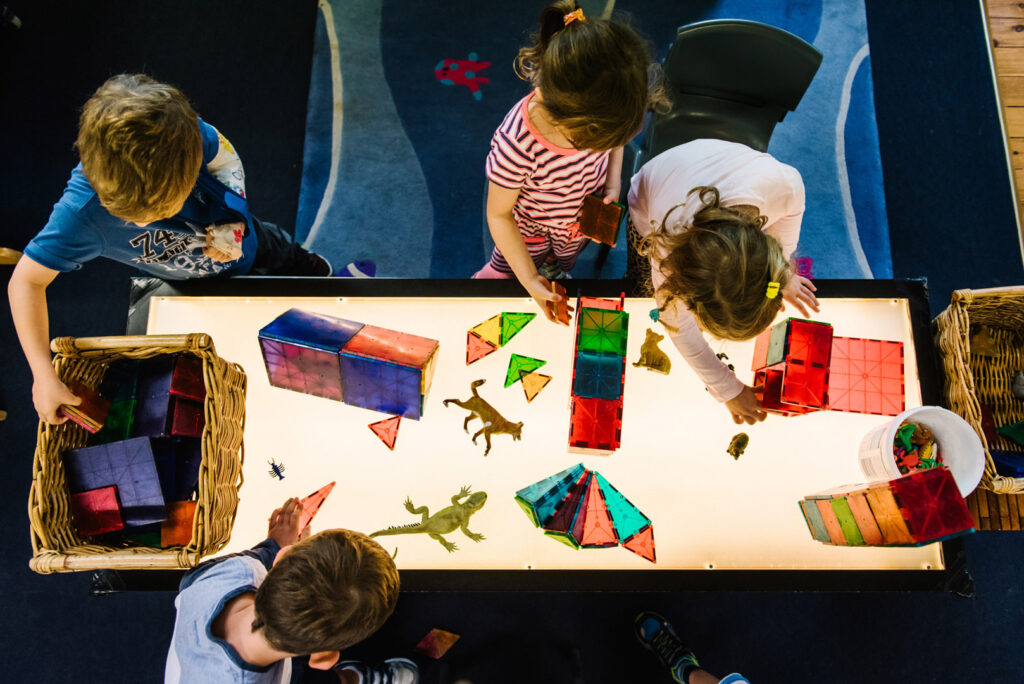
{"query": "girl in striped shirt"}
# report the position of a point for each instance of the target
(563, 141)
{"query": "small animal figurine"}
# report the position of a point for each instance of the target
(488, 415)
(651, 357)
(276, 469)
(738, 444)
(454, 517)
(1018, 385)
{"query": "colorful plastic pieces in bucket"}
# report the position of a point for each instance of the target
(495, 332)
(581, 509)
(914, 448)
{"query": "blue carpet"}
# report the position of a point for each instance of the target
(395, 172)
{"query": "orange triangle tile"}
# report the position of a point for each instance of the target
(477, 348)
(387, 430)
(312, 503)
(642, 543)
(533, 383)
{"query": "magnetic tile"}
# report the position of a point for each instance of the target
(866, 376)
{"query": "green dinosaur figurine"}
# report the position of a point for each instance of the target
(455, 517)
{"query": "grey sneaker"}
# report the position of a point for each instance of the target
(551, 271)
(391, 671)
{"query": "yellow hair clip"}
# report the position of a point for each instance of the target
(573, 16)
(773, 290)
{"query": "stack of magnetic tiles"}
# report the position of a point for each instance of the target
(138, 479)
(358, 364)
(580, 508)
(802, 368)
(598, 373)
(920, 508)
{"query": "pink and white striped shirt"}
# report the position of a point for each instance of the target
(552, 181)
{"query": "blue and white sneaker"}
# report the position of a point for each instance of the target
(391, 671)
(657, 635)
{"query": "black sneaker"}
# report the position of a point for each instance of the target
(657, 635)
(319, 267)
(391, 671)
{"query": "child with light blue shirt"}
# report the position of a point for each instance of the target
(243, 617)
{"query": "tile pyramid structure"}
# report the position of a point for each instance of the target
(581, 509)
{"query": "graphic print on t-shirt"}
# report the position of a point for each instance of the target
(176, 250)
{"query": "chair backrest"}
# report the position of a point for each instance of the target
(731, 79)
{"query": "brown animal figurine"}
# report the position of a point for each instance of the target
(488, 415)
(651, 357)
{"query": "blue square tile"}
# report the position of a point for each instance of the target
(598, 376)
(381, 386)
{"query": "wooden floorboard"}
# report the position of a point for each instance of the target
(1005, 19)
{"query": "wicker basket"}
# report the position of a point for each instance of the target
(973, 380)
(56, 545)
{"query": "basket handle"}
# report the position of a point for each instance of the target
(195, 341)
(965, 296)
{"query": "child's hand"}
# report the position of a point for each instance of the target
(612, 190)
(284, 523)
(213, 253)
(745, 407)
(48, 394)
(799, 292)
(540, 289)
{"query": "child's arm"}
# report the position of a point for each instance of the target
(613, 181)
(27, 294)
(722, 383)
(509, 242)
(226, 166)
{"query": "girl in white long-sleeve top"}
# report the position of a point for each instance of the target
(718, 222)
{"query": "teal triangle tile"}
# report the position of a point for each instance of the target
(626, 517)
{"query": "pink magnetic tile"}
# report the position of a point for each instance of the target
(600, 303)
(866, 376)
(391, 346)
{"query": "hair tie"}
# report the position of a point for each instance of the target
(573, 16)
(773, 290)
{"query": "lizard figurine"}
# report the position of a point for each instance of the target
(454, 517)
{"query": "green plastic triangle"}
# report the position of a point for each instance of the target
(519, 366)
(512, 323)
(565, 538)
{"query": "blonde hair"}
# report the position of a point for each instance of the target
(720, 268)
(595, 76)
(141, 147)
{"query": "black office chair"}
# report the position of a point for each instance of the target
(729, 79)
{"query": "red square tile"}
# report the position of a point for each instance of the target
(866, 376)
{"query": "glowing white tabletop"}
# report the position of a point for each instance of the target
(709, 511)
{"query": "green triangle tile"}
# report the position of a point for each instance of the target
(519, 365)
(512, 323)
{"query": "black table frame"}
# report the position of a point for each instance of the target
(954, 577)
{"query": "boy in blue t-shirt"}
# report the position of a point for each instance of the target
(159, 189)
(243, 617)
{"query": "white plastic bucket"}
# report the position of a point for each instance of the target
(956, 441)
